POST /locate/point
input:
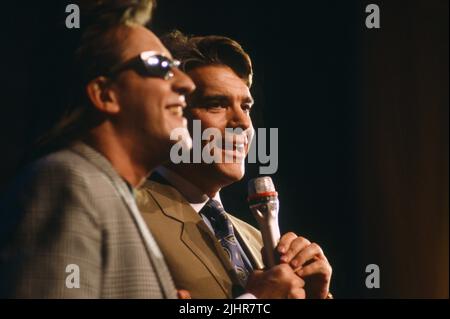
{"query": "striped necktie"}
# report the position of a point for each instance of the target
(223, 230)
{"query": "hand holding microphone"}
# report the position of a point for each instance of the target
(305, 258)
(278, 281)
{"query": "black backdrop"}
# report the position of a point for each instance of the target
(337, 92)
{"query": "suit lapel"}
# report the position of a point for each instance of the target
(124, 192)
(248, 243)
(195, 233)
(223, 257)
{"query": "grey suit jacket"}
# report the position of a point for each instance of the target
(72, 208)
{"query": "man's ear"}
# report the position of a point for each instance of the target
(102, 96)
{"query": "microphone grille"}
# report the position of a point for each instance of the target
(259, 185)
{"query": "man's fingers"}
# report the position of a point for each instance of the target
(297, 293)
(297, 245)
(183, 294)
(306, 254)
(285, 242)
(317, 267)
(299, 283)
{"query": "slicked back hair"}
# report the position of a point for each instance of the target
(209, 50)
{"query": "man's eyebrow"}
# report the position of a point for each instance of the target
(249, 100)
(214, 97)
(224, 98)
(165, 53)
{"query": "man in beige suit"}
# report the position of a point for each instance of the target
(69, 224)
(182, 206)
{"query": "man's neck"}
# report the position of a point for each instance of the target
(127, 165)
(198, 178)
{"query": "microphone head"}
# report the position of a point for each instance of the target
(261, 188)
(260, 185)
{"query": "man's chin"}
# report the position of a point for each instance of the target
(181, 136)
(231, 172)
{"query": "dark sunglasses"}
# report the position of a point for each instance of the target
(149, 63)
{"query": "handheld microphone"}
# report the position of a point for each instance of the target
(264, 204)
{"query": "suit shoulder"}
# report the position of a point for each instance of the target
(157, 187)
(60, 170)
(65, 162)
(60, 178)
(169, 192)
(245, 227)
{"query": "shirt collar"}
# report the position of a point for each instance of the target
(195, 196)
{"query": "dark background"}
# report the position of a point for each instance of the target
(362, 117)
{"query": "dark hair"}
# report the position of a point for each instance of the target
(196, 51)
(98, 48)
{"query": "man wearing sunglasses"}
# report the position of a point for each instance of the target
(69, 225)
(211, 253)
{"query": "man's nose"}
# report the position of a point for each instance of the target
(239, 118)
(182, 83)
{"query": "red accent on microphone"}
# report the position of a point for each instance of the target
(260, 195)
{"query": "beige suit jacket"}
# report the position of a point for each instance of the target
(195, 258)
